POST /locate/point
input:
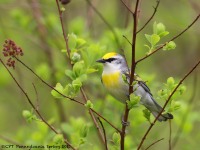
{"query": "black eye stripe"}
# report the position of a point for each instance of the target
(110, 60)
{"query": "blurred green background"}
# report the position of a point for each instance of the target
(35, 26)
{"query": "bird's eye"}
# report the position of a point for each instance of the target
(110, 60)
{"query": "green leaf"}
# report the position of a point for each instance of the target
(169, 46)
(58, 139)
(70, 74)
(91, 70)
(162, 34)
(155, 27)
(170, 82)
(147, 114)
(72, 39)
(133, 101)
(124, 78)
(76, 85)
(160, 27)
(59, 88)
(26, 114)
(84, 131)
(89, 104)
(80, 43)
(79, 68)
(182, 89)
(116, 138)
(29, 116)
(155, 39)
(148, 37)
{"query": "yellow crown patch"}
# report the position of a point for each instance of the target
(109, 55)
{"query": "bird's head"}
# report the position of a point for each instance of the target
(112, 61)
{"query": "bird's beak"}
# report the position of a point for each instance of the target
(101, 61)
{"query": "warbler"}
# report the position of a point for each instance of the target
(114, 67)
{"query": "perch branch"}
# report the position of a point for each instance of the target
(167, 101)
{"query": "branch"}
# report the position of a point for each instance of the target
(37, 99)
(74, 100)
(93, 117)
(30, 102)
(127, 7)
(104, 133)
(155, 10)
(170, 135)
(167, 101)
(175, 37)
(127, 110)
(82, 91)
(63, 30)
(154, 143)
(185, 115)
(105, 21)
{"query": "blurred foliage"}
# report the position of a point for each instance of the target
(35, 26)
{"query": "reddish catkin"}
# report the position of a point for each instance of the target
(11, 50)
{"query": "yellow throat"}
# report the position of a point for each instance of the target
(111, 80)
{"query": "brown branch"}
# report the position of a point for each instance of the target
(37, 99)
(127, 110)
(185, 115)
(74, 100)
(93, 118)
(127, 7)
(104, 133)
(154, 143)
(170, 135)
(43, 40)
(127, 39)
(32, 105)
(9, 140)
(155, 10)
(63, 29)
(175, 37)
(105, 21)
(82, 91)
(167, 101)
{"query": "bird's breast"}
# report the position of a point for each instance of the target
(111, 80)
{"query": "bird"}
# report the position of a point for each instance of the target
(114, 68)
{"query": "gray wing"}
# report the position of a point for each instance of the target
(141, 83)
(145, 87)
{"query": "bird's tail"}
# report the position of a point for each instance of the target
(163, 117)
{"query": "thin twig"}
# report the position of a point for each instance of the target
(82, 91)
(127, 110)
(127, 40)
(170, 134)
(104, 133)
(167, 101)
(35, 6)
(63, 29)
(175, 37)
(155, 10)
(185, 115)
(127, 7)
(37, 99)
(105, 21)
(154, 143)
(9, 140)
(74, 100)
(93, 117)
(30, 102)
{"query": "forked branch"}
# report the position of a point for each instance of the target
(167, 101)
